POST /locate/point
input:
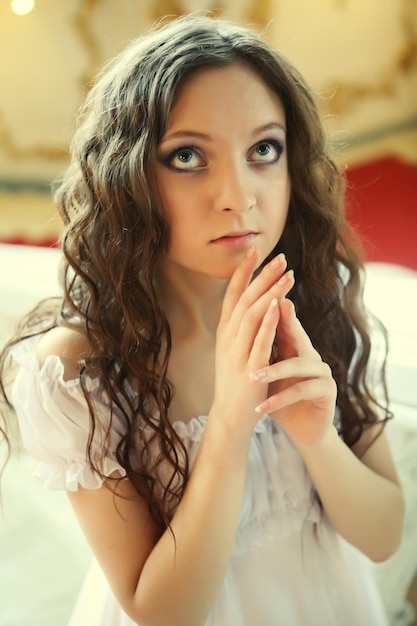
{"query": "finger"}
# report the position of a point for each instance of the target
(299, 368)
(248, 323)
(269, 277)
(291, 332)
(264, 339)
(320, 391)
(239, 282)
(252, 311)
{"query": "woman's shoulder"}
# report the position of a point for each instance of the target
(67, 343)
(54, 414)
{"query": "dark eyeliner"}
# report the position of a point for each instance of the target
(278, 145)
(167, 160)
(275, 144)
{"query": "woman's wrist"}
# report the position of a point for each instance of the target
(320, 446)
(226, 441)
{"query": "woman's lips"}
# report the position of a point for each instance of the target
(236, 240)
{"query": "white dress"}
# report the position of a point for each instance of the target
(289, 566)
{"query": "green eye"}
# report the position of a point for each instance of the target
(185, 156)
(185, 159)
(266, 152)
(263, 149)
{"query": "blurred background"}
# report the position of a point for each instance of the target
(360, 57)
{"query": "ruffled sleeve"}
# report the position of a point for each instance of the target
(54, 422)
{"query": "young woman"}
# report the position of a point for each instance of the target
(203, 389)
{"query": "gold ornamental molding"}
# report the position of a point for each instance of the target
(345, 95)
(171, 9)
(260, 13)
(44, 152)
(47, 152)
(82, 23)
(257, 12)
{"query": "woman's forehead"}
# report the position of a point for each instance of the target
(212, 91)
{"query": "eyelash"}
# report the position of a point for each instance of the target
(277, 145)
(274, 143)
(169, 159)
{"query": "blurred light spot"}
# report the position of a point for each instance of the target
(22, 7)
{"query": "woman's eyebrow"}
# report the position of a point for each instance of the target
(270, 126)
(186, 133)
(206, 137)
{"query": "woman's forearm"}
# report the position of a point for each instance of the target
(187, 566)
(365, 507)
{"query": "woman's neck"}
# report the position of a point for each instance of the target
(192, 301)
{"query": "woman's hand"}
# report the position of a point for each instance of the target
(301, 389)
(245, 337)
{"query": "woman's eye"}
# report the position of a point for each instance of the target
(266, 152)
(185, 159)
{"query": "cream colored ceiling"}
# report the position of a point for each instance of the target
(359, 55)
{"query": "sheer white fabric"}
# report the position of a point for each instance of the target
(288, 568)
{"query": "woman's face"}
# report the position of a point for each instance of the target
(221, 172)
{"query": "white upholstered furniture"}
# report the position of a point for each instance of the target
(391, 293)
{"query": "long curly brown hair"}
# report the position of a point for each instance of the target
(115, 236)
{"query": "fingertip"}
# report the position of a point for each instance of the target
(287, 309)
(251, 252)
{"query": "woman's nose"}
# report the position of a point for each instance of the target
(232, 189)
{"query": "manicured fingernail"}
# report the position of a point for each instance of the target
(250, 252)
(257, 375)
(277, 261)
(261, 408)
(273, 305)
(286, 278)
